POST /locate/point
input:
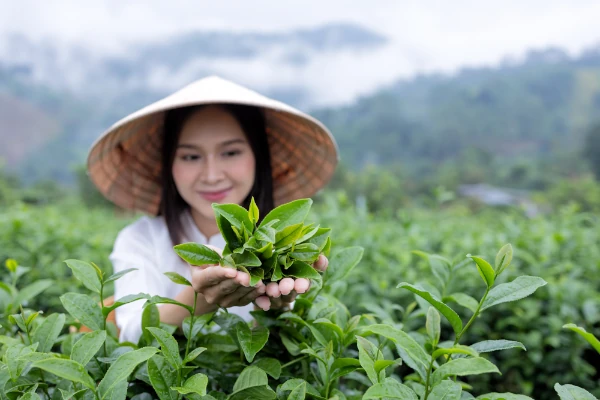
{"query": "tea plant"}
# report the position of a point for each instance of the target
(281, 246)
(412, 343)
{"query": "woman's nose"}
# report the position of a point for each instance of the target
(212, 171)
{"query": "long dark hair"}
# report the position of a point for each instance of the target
(252, 122)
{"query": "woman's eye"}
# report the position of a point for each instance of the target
(190, 157)
(232, 153)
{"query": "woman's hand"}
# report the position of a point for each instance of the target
(281, 294)
(224, 287)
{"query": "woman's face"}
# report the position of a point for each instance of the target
(213, 163)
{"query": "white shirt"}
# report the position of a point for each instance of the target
(146, 245)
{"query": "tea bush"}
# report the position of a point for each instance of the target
(328, 342)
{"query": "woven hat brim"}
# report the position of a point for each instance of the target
(125, 162)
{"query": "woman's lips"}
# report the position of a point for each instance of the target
(215, 195)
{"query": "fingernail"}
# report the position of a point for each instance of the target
(230, 273)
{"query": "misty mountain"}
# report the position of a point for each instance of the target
(167, 65)
(528, 109)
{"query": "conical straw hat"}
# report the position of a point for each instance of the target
(125, 162)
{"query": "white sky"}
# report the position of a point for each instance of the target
(426, 35)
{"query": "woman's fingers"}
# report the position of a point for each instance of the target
(243, 279)
(242, 296)
(301, 285)
(263, 302)
(210, 276)
(286, 285)
(322, 263)
(273, 290)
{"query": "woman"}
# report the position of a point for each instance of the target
(212, 141)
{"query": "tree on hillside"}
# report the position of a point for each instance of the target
(591, 150)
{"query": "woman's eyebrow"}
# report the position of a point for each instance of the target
(194, 147)
(233, 141)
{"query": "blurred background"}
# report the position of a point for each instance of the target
(462, 126)
(496, 101)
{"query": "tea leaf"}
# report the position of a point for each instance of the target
(199, 322)
(503, 396)
(332, 327)
(571, 392)
(86, 273)
(30, 396)
(254, 393)
(299, 392)
(232, 239)
(85, 348)
(247, 259)
(308, 232)
(266, 251)
(446, 390)
(178, 279)
(327, 248)
(116, 276)
(84, 309)
(485, 270)
(197, 254)
(380, 365)
(344, 366)
(439, 265)
(586, 335)
(6, 288)
(249, 377)
(456, 349)
(464, 367)
(130, 298)
(288, 235)
(342, 263)
(265, 234)
(293, 383)
(446, 311)
(270, 365)
(320, 238)
(11, 265)
(166, 300)
(368, 353)
(411, 352)
(29, 292)
(163, 377)
(503, 258)
(150, 318)
(487, 346)
(194, 384)
(390, 389)
(252, 340)
(521, 287)
(464, 300)
(288, 214)
(432, 325)
(300, 269)
(118, 391)
(168, 346)
(256, 275)
(15, 359)
(47, 333)
(307, 252)
(194, 354)
(123, 367)
(253, 213)
(67, 369)
(236, 215)
(70, 394)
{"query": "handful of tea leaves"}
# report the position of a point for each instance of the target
(281, 246)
